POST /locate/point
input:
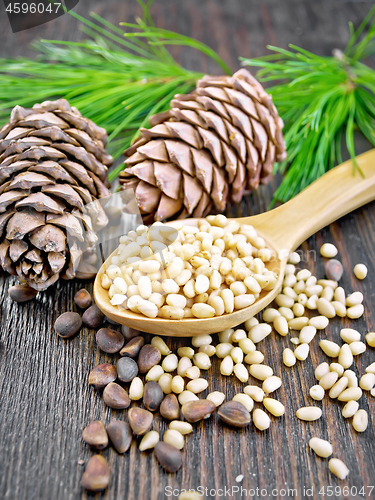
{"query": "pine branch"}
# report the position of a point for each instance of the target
(321, 100)
(114, 78)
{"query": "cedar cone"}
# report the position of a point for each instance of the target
(214, 145)
(52, 163)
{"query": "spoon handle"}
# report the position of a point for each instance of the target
(333, 195)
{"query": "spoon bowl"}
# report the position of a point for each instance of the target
(335, 194)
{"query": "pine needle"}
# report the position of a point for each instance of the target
(321, 100)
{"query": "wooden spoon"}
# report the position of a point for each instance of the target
(333, 195)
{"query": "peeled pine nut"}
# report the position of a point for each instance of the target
(327, 293)
(352, 393)
(290, 293)
(271, 384)
(250, 323)
(350, 409)
(298, 309)
(370, 339)
(270, 314)
(321, 447)
(245, 400)
(336, 367)
(284, 301)
(174, 438)
(328, 380)
(360, 420)
(178, 384)
(208, 349)
(237, 354)
(289, 358)
(161, 345)
(170, 363)
(247, 346)
(149, 441)
(226, 366)
(223, 349)
(355, 312)
(187, 396)
(307, 334)
(325, 308)
(354, 299)
(165, 382)
(238, 335)
(352, 377)
(367, 381)
(298, 323)
(357, 348)
(255, 392)
(302, 351)
(321, 370)
(200, 340)
(182, 427)
(202, 361)
(254, 358)
(295, 340)
(320, 322)
(330, 348)
(193, 372)
(312, 302)
(339, 308)
(310, 291)
(183, 365)
(241, 372)
(317, 392)
(286, 312)
(339, 295)
(328, 250)
(328, 283)
(294, 258)
(136, 389)
(360, 271)
(261, 372)
(349, 335)
(187, 352)
(303, 274)
(338, 468)
(371, 368)
(259, 332)
(154, 373)
(281, 325)
(338, 388)
(216, 397)
(261, 420)
(302, 299)
(345, 356)
(309, 413)
(273, 406)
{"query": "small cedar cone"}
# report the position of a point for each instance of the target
(214, 145)
(52, 164)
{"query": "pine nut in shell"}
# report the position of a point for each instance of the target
(261, 420)
(321, 447)
(338, 468)
(309, 413)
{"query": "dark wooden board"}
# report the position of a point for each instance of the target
(45, 401)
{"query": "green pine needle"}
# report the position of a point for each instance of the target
(321, 100)
(116, 78)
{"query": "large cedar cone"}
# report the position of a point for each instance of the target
(52, 163)
(215, 144)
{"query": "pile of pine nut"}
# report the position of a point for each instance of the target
(183, 271)
(189, 259)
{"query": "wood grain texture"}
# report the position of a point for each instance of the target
(45, 401)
